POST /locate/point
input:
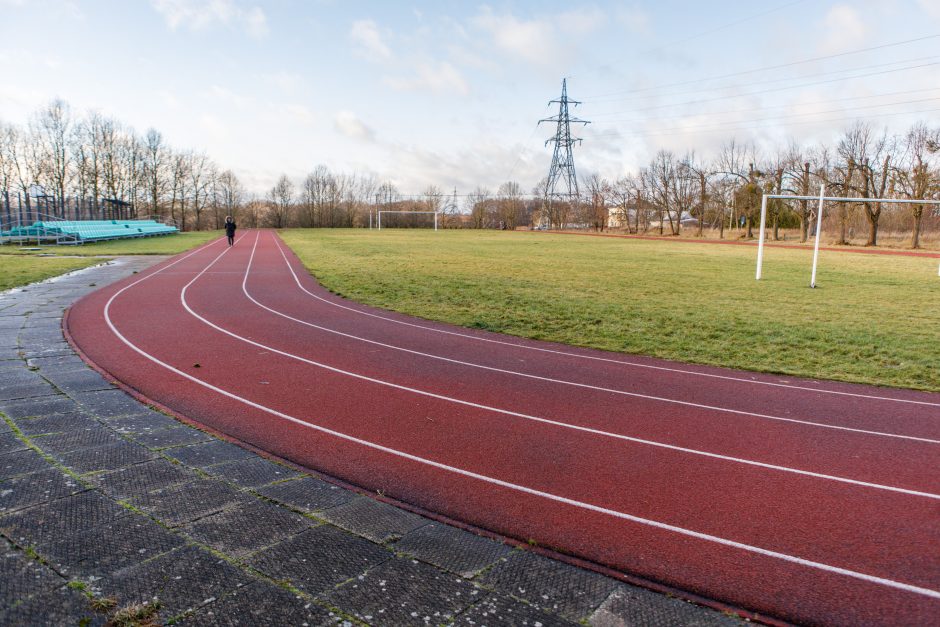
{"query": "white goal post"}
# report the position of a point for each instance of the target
(821, 198)
(436, 213)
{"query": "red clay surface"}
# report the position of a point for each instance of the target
(810, 501)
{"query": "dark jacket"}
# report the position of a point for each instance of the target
(230, 228)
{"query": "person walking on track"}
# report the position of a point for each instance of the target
(230, 230)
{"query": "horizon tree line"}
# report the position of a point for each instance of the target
(105, 163)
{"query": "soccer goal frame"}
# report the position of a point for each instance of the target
(822, 198)
(436, 213)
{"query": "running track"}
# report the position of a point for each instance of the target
(808, 501)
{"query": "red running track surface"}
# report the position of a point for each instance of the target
(808, 501)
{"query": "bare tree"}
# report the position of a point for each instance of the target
(620, 195)
(200, 173)
(281, 196)
(660, 178)
(917, 174)
(479, 208)
(228, 197)
(868, 154)
(52, 127)
(154, 169)
(737, 163)
(595, 211)
(509, 204)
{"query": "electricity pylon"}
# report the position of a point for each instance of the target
(562, 184)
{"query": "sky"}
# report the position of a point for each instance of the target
(449, 93)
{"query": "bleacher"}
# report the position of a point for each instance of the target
(84, 231)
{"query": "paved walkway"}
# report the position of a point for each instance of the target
(111, 510)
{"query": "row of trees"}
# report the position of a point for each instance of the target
(94, 157)
(98, 159)
(673, 189)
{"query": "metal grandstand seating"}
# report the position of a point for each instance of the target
(55, 231)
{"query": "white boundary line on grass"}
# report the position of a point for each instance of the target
(571, 383)
(620, 361)
(933, 594)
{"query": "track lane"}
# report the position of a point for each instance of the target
(857, 457)
(893, 411)
(265, 326)
(604, 543)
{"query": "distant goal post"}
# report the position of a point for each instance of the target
(822, 198)
(435, 213)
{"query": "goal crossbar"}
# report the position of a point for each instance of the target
(821, 198)
(436, 213)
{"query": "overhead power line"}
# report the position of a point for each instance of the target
(780, 106)
(766, 68)
(785, 88)
(874, 66)
(808, 113)
(730, 129)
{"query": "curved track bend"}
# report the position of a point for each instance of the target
(809, 501)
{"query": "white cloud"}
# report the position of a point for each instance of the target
(843, 29)
(200, 14)
(581, 21)
(635, 19)
(300, 113)
(286, 81)
(365, 34)
(931, 7)
(532, 40)
(544, 40)
(348, 124)
(439, 77)
(222, 95)
(214, 127)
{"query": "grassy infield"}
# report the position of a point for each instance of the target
(874, 319)
(19, 267)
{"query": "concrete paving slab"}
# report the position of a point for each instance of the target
(550, 585)
(183, 503)
(209, 453)
(58, 519)
(260, 603)
(318, 559)
(106, 548)
(454, 550)
(252, 472)
(108, 457)
(38, 487)
(377, 521)
(247, 527)
(405, 592)
(180, 581)
(138, 479)
(503, 611)
(307, 494)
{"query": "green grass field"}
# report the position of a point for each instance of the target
(20, 267)
(873, 319)
(17, 270)
(164, 245)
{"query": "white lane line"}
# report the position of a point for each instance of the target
(539, 419)
(615, 361)
(573, 383)
(890, 583)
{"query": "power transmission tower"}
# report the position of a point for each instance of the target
(562, 182)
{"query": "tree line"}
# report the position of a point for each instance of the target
(726, 191)
(98, 159)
